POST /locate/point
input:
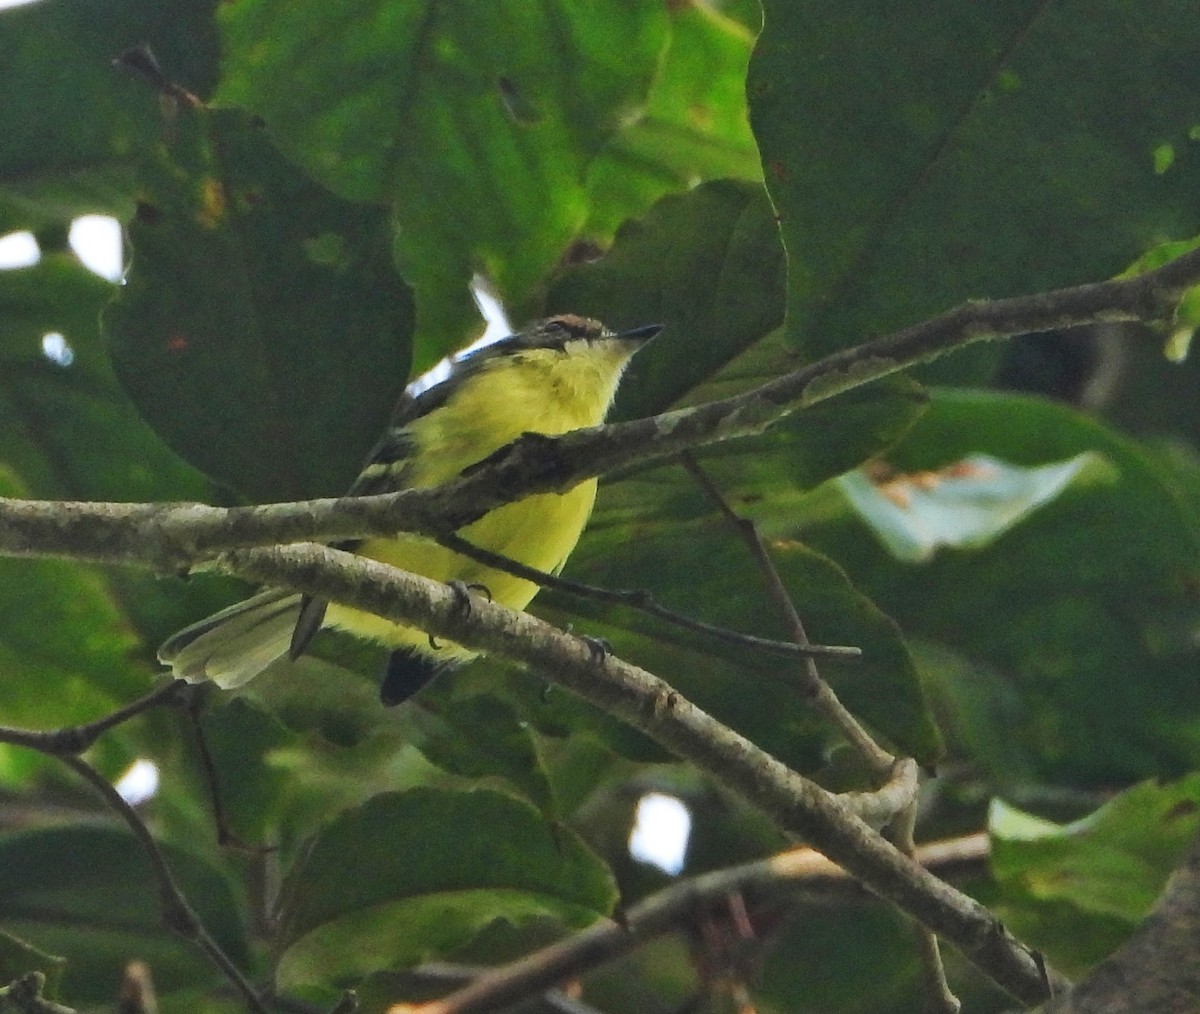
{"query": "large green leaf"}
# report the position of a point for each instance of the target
(76, 153)
(262, 330)
(89, 893)
(496, 158)
(707, 265)
(480, 737)
(413, 875)
(922, 157)
(1081, 617)
(67, 428)
(695, 124)
(481, 147)
(1069, 889)
(810, 968)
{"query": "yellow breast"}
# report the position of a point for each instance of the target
(539, 531)
(486, 412)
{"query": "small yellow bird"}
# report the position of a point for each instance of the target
(560, 375)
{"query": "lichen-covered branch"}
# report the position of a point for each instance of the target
(829, 823)
(170, 537)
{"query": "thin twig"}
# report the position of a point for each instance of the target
(178, 914)
(75, 739)
(66, 744)
(878, 807)
(763, 883)
(939, 998)
(208, 768)
(820, 694)
(25, 995)
(141, 61)
(446, 974)
(642, 600)
(936, 992)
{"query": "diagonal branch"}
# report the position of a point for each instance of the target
(177, 911)
(820, 694)
(173, 537)
(829, 823)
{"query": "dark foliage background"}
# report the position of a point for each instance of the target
(305, 240)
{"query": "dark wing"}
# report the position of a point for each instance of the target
(383, 472)
(386, 470)
(385, 467)
(312, 615)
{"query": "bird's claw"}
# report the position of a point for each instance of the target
(462, 594)
(599, 648)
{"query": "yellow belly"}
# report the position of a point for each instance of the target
(539, 531)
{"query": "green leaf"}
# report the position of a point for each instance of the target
(89, 892)
(911, 162)
(262, 331)
(1061, 609)
(413, 875)
(695, 124)
(480, 737)
(1159, 255)
(52, 415)
(1108, 867)
(977, 707)
(810, 968)
(313, 694)
(968, 504)
(75, 155)
(64, 649)
(707, 265)
(1183, 326)
(482, 149)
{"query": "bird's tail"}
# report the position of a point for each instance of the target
(235, 645)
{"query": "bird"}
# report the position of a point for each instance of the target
(558, 375)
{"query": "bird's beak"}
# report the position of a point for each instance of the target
(640, 335)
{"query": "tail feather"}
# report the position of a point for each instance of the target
(233, 646)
